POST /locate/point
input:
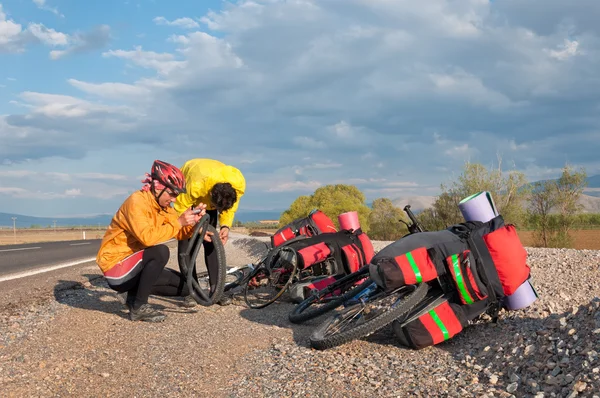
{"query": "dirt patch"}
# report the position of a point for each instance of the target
(583, 239)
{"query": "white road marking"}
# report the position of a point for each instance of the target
(77, 244)
(45, 269)
(21, 248)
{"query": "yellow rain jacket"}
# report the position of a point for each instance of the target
(139, 223)
(200, 176)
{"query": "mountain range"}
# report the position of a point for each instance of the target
(23, 221)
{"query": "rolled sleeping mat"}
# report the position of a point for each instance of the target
(481, 207)
(349, 220)
(478, 207)
(523, 297)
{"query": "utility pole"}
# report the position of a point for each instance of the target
(15, 228)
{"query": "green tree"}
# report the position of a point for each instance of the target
(569, 189)
(561, 197)
(384, 221)
(542, 201)
(331, 200)
(299, 208)
(508, 191)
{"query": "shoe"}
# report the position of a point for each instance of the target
(147, 314)
(189, 302)
(225, 300)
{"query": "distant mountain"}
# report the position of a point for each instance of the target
(592, 189)
(23, 221)
(417, 203)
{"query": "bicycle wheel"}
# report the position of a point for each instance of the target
(367, 316)
(266, 284)
(202, 294)
(232, 279)
(329, 298)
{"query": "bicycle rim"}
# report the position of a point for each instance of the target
(366, 317)
(265, 285)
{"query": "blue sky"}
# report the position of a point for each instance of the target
(392, 96)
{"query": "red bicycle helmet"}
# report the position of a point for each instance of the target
(169, 175)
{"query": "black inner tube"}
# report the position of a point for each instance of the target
(188, 266)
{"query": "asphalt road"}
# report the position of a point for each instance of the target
(32, 256)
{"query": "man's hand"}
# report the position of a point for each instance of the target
(224, 234)
(189, 218)
(200, 209)
(208, 236)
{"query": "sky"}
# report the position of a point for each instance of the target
(392, 96)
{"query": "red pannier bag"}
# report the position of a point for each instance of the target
(463, 271)
(327, 255)
(436, 321)
(410, 268)
(509, 257)
(346, 248)
(315, 223)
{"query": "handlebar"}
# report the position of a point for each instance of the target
(415, 226)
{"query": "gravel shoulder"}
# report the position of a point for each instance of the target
(64, 334)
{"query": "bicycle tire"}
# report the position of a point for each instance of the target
(305, 310)
(320, 341)
(232, 279)
(216, 295)
(279, 294)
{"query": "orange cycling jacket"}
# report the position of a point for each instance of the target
(200, 176)
(139, 223)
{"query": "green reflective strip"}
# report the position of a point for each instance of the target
(460, 280)
(440, 324)
(414, 267)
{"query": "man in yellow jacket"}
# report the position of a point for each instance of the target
(219, 187)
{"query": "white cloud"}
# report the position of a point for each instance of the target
(308, 142)
(328, 165)
(185, 23)
(73, 192)
(81, 42)
(307, 186)
(569, 49)
(116, 91)
(53, 105)
(163, 63)
(460, 151)
(306, 93)
(14, 38)
(10, 33)
(48, 36)
(41, 4)
(12, 190)
(345, 134)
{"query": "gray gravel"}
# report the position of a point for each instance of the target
(80, 343)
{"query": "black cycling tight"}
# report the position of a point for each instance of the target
(154, 278)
